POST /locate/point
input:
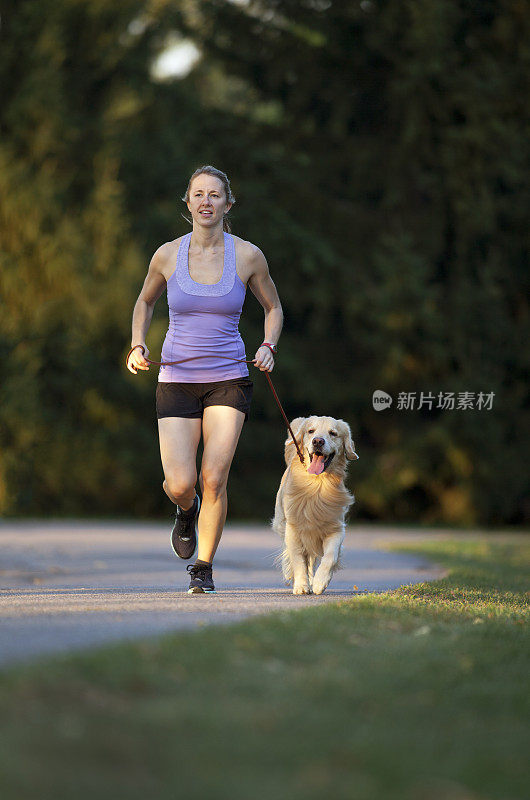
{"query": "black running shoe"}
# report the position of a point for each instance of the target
(184, 533)
(201, 578)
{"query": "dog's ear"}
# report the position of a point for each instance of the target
(296, 427)
(349, 445)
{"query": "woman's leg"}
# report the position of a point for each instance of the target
(179, 439)
(221, 427)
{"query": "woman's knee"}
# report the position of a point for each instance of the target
(213, 481)
(180, 485)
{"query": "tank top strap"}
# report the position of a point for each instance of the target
(230, 257)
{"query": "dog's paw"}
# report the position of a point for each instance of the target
(301, 588)
(321, 580)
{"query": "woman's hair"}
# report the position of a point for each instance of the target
(209, 170)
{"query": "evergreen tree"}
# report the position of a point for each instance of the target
(379, 158)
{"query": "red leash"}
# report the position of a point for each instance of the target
(237, 361)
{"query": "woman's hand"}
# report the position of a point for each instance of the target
(137, 359)
(264, 359)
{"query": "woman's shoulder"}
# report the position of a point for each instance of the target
(250, 259)
(165, 256)
(171, 246)
(244, 249)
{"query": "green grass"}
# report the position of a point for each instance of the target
(416, 694)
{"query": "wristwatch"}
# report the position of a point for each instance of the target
(272, 347)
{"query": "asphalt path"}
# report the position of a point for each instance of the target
(66, 585)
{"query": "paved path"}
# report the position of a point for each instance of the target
(69, 585)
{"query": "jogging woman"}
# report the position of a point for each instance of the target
(206, 273)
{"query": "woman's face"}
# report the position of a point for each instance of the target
(207, 202)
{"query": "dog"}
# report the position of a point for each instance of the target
(312, 502)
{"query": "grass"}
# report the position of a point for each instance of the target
(415, 694)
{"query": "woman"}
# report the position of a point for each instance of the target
(206, 273)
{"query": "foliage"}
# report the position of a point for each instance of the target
(378, 156)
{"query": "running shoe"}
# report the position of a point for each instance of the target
(201, 578)
(184, 533)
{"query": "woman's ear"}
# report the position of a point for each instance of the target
(349, 445)
(297, 426)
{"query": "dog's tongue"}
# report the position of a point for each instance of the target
(317, 465)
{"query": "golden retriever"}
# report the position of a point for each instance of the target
(312, 502)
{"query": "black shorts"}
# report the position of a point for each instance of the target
(190, 399)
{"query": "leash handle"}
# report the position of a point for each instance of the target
(130, 351)
(237, 361)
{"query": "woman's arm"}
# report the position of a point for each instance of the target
(263, 288)
(154, 285)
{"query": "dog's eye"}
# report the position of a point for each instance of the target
(333, 433)
(312, 430)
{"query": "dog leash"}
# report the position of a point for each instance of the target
(237, 361)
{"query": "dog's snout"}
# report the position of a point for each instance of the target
(318, 441)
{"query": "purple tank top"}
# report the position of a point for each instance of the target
(203, 320)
